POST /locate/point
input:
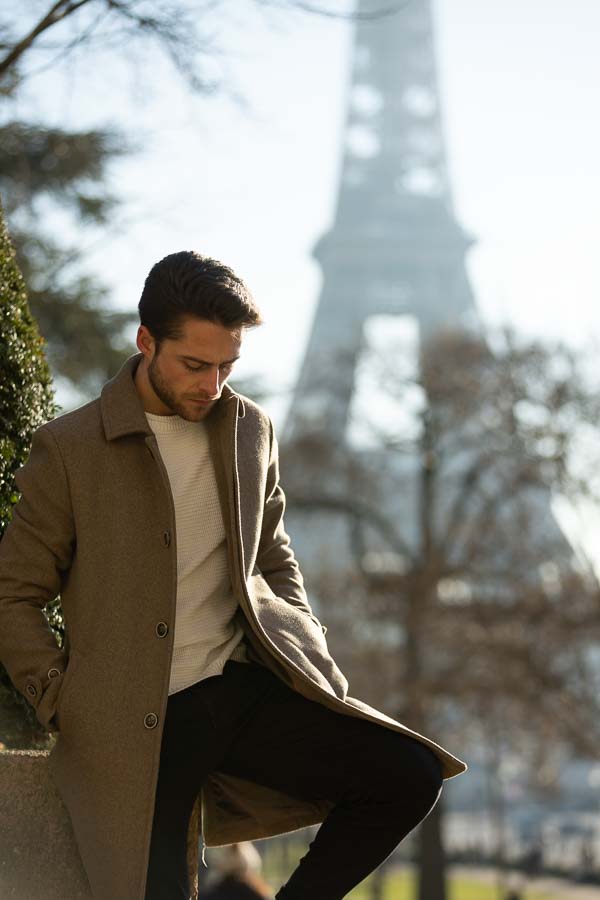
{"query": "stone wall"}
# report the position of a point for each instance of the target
(39, 859)
(38, 855)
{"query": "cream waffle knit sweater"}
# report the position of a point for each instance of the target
(205, 634)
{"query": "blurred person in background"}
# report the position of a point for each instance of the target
(239, 875)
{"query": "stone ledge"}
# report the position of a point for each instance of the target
(39, 859)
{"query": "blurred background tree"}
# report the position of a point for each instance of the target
(45, 175)
(49, 176)
(183, 30)
(467, 618)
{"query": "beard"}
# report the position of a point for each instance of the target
(189, 411)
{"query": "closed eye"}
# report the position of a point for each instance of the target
(202, 368)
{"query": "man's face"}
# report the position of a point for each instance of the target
(187, 376)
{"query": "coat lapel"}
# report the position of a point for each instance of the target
(221, 428)
(121, 407)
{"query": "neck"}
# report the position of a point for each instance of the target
(150, 402)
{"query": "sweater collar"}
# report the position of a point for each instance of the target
(123, 412)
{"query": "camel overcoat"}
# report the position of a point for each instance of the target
(95, 523)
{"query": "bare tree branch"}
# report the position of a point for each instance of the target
(356, 510)
(58, 11)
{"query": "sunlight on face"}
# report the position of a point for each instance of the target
(187, 376)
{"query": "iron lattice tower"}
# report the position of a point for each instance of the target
(395, 246)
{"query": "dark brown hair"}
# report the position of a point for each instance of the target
(188, 284)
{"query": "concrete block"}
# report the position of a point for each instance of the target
(39, 859)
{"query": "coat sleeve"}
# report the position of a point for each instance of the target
(36, 549)
(275, 557)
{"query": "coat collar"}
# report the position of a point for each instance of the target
(122, 409)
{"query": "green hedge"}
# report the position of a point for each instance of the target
(26, 402)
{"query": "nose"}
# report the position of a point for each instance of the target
(210, 385)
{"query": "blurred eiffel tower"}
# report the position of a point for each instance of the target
(395, 246)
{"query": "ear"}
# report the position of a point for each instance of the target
(144, 341)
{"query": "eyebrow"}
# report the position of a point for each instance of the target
(205, 363)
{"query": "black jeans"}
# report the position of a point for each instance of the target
(247, 722)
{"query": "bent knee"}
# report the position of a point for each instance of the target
(417, 773)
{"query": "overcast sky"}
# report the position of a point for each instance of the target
(519, 85)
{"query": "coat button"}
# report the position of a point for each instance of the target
(151, 720)
(162, 629)
(166, 538)
(54, 673)
(31, 690)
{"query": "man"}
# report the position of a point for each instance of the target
(194, 676)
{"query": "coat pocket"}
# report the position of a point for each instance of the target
(298, 636)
